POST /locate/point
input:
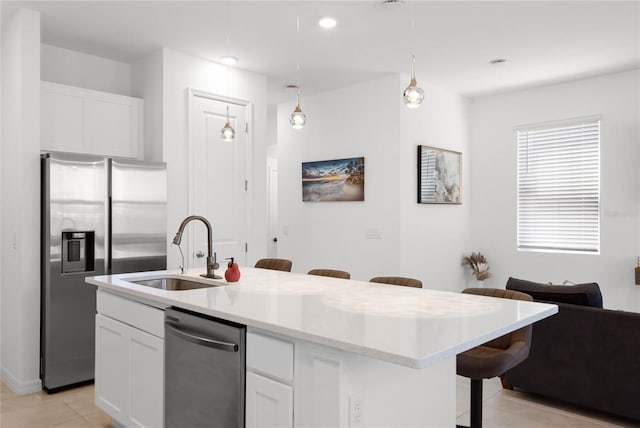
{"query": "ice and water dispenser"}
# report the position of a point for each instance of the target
(78, 251)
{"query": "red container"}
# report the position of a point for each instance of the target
(232, 274)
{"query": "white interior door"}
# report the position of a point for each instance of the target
(218, 181)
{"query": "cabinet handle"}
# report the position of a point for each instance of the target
(199, 340)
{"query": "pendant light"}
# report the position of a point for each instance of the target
(413, 95)
(298, 119)
(227, 133)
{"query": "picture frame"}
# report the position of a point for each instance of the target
(439, 176)
(333, 180)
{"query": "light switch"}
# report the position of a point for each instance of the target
(373, 233)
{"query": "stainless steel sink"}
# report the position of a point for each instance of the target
(174, 283)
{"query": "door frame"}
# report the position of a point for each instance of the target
(248, 142)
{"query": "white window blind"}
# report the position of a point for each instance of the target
(559, 187)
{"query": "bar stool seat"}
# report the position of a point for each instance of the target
(275, 264)
(397, 280)
(495, 357)
(333, 273)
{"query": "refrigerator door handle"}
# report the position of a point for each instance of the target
(205, 341)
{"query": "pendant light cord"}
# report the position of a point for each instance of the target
(227, 73)
(298, 49)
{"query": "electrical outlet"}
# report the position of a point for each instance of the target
(356, 410)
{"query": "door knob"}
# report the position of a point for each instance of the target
(199, 254)
(275, 239)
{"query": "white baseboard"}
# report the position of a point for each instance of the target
(18, 386)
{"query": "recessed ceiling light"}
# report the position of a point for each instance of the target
(392, 4)
(229, 60)
(327, 22)
(497, 61)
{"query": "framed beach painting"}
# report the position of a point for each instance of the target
(439, 176)
(333, 180)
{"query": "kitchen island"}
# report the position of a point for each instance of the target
(330, 352)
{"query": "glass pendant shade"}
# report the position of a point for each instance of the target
(227, 132)
(298, 119)
(413, 95)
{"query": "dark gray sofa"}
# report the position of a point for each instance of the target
(584, 355)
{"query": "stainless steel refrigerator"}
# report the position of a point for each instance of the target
(98, 216)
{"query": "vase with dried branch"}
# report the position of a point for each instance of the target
(478, 264)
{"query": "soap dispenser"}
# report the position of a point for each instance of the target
(232, 274)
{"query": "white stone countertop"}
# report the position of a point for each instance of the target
(413, 327)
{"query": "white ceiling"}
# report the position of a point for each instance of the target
(544, 42)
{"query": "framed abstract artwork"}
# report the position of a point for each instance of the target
(439, 176)
(333, 180)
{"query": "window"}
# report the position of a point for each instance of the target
(559, 187)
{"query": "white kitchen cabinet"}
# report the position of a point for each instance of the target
(112, 366)
(268, 403)
(81, 120)
(269, 394)
(129, 378)
(296, 383)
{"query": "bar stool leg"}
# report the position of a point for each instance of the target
(476, 403)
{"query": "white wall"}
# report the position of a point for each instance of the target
(361, 120)
(20, 190)
(434, 237)
(146, 83)
(616, 98)
(180, 72)
(369, 120)
(74, 68)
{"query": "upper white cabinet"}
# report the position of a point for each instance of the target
(85, 121)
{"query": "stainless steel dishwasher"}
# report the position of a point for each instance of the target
(204, 371)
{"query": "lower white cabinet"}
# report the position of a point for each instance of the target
(129, 378)
(269, 378)
(268, 403)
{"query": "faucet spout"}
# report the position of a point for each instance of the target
(211, 261)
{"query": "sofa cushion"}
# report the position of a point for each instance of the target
(579, 294)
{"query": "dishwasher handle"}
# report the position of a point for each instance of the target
(199, 340)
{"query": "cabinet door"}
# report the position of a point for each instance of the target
(62, 118)
(146, 402)
(112, 367)
(92, 122)
(269, 403)
(113, 125)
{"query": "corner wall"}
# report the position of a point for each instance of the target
(616, 98)
(74, 68)
(20, 189)
(146, 83)
(435, 236)
(181, 72)
(360, 120)
(388, 233)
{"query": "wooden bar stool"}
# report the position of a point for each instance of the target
(493, 358)
(275, 264)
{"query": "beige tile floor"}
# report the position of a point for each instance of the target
(73, 408)
(514, 409)
(502, 409)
